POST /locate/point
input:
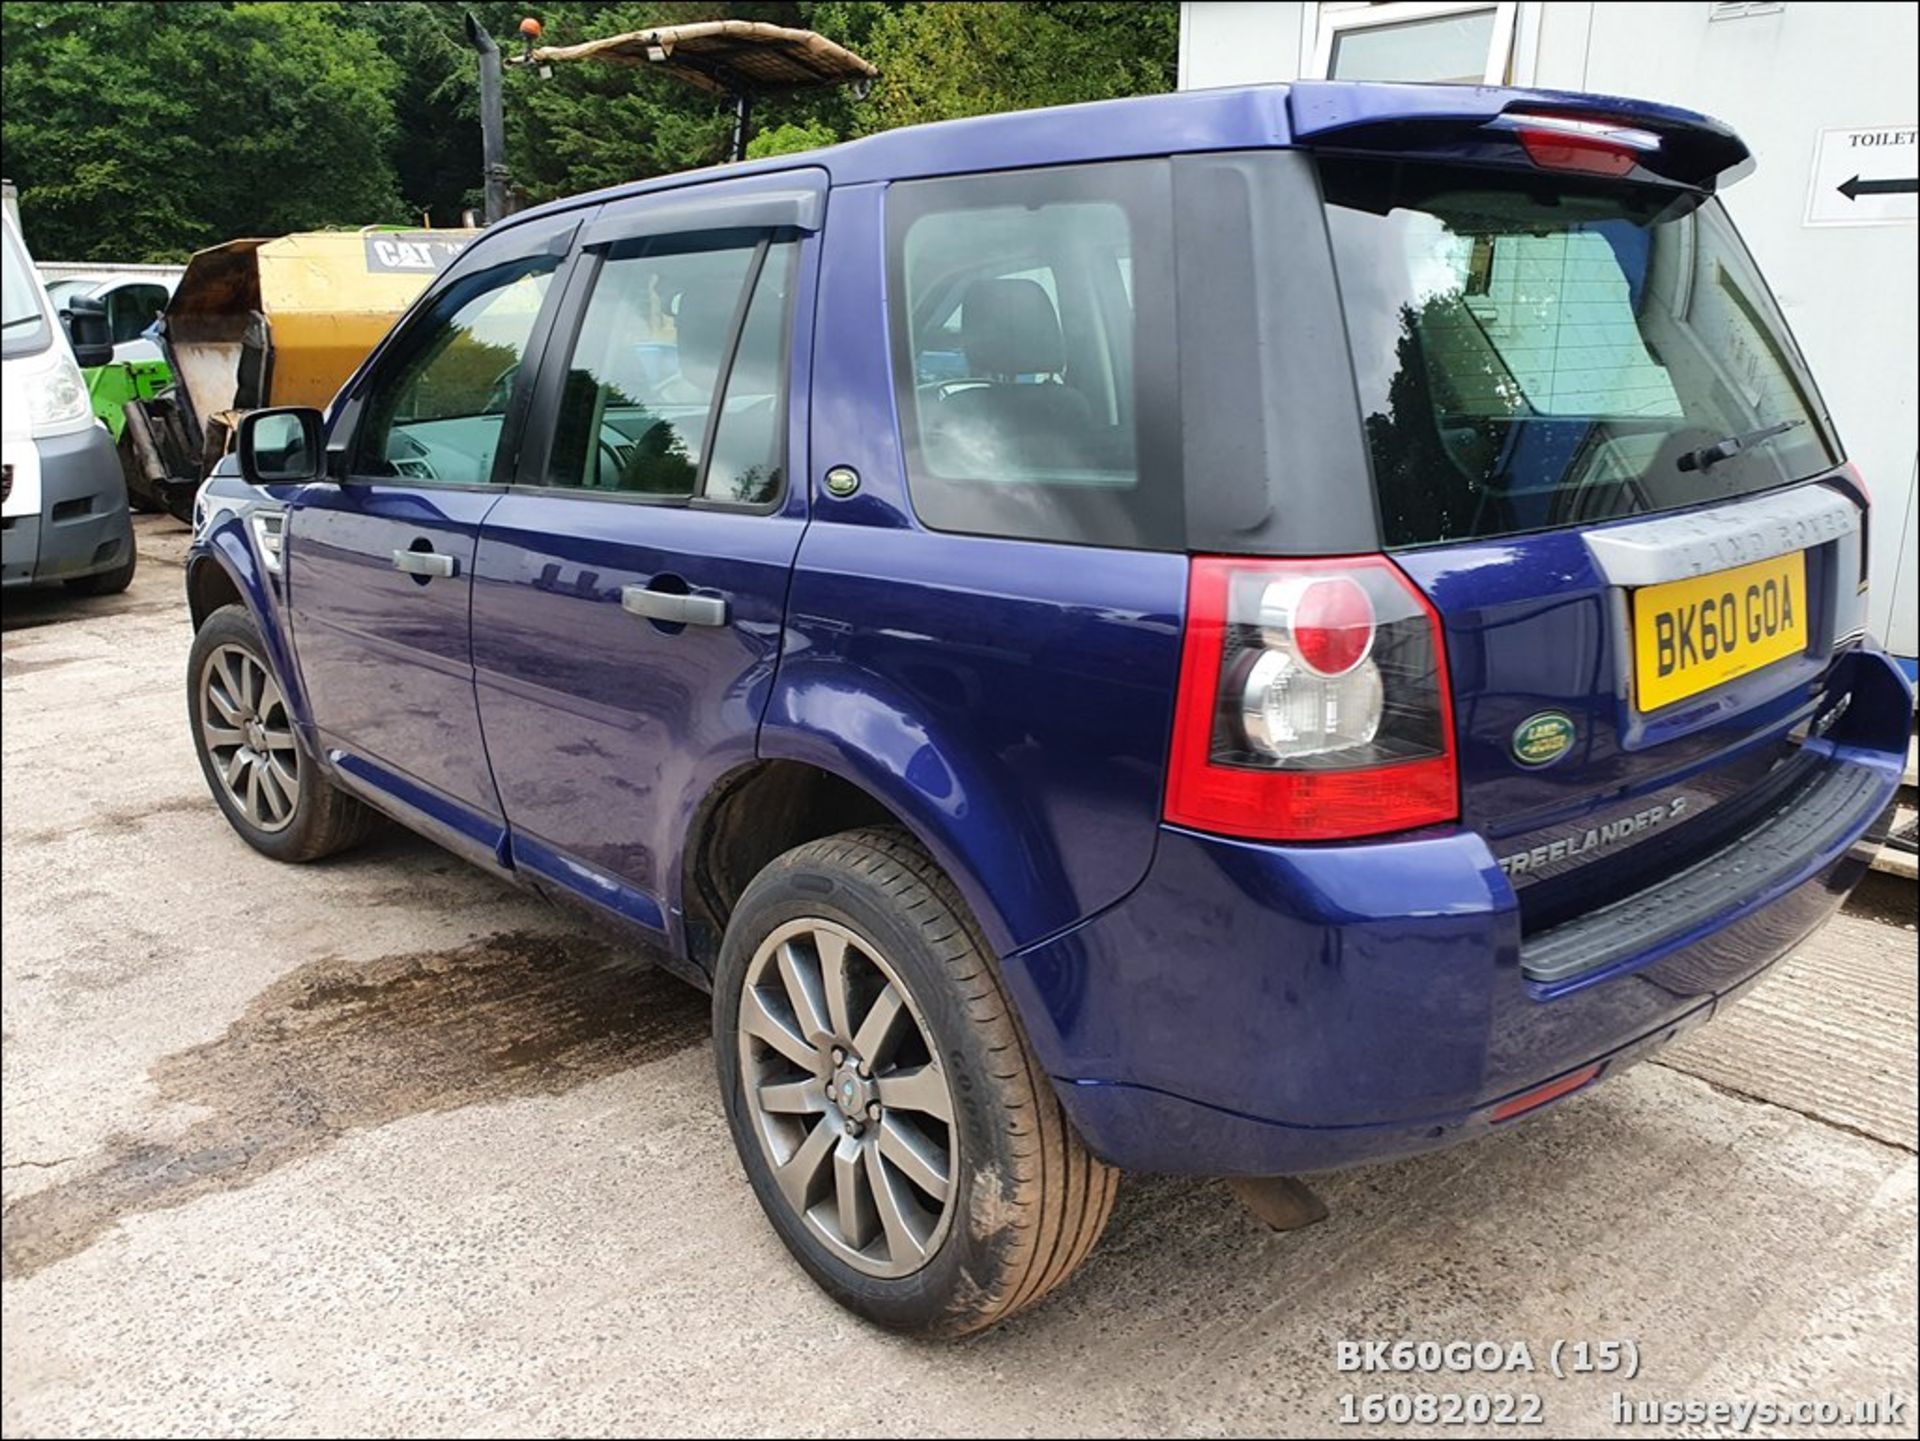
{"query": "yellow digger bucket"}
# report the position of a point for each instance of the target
(285, 322)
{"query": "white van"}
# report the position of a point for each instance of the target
(63, 500)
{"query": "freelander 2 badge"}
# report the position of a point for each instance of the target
(1542, 739)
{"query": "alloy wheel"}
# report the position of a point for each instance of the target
(249, 736)
(848, 1097)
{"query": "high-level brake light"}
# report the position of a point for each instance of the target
(1587, 147)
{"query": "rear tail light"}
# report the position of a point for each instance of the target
(1313, 702)
(1851, 477)
(1586, 147)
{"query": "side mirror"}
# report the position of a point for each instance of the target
(282, 446)
(88, 331)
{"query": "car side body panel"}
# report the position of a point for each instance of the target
(1010, 701)
(1013, 708)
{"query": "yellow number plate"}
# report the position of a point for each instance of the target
(1691, 635)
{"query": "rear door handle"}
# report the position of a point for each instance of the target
(425, 562)
(665, 605)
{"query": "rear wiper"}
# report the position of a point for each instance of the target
(1708, 456)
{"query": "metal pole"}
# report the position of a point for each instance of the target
(493, 135)
(742, 118)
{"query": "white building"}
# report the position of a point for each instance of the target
(1825, 93)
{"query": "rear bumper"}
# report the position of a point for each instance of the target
(83, 525)
(1261, 1010)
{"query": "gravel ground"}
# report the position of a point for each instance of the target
(382, 1146)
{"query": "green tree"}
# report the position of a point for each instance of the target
(944, 61)
(595, 123)
(790, 139)
(436, 106)
(143, 131)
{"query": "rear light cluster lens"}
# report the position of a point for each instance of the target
(1313, 702)
(1326, 621)
(1851, 477)
(1586, 147)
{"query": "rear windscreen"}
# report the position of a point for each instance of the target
(1533, 353)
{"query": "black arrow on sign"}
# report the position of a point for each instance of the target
(1857, 187)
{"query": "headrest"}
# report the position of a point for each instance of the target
(1008, 328)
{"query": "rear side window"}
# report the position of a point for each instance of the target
(1532, 355)
(1032, 328)
(676, 387)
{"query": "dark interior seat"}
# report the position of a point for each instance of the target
(1008, 329)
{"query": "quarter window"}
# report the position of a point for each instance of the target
(676, 384)
(1033, 338)
(436, 416)
(746, 463)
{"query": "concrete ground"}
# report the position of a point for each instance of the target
(382, 1146)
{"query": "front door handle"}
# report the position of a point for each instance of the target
(425, 562)
(680, 609)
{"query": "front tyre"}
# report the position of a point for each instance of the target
(269, 789)
(901, 1139)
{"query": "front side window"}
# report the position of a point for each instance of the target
(436, 409)
(676, 386)
(131, 309)
(1032, 331)
(1531, 356)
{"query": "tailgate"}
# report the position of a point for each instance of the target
(1597, 450)
(1586, 793)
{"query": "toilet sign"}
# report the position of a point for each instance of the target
(1864, 177)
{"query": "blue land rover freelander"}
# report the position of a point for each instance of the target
(1241, 633)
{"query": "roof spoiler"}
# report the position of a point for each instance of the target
(1488, 125)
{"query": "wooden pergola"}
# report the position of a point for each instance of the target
(739, 59)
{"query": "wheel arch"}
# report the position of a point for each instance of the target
(942, 781)
(222, 569)
(747, 817)
(762, 809)
(210, 585)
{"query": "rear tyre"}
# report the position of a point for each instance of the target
(898, 1133)
(270, 790)
(108, 582)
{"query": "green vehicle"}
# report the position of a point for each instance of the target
(133, 301)
(110, 387)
